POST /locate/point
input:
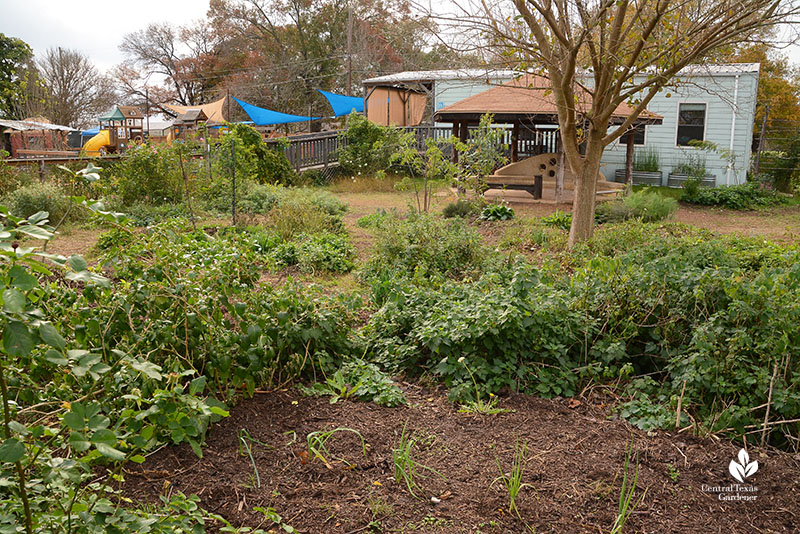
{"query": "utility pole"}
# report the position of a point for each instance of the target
(233, 158)
(147, 107)
(761, 140)
(350, 51)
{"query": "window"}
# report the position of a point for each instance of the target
(691, 123)
(638, 134)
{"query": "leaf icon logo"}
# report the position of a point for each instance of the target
(744, 467)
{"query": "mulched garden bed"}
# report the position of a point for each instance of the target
(575, 458)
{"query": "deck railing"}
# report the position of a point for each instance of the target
(320, 150)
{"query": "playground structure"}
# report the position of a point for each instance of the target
(119, 128)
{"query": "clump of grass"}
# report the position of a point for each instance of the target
(644, 205)
(246, 448)
(646, 160)
(512, 481)
(626, 503)
(406, 468)
(317, 448)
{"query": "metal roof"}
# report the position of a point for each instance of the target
(34, 125)
(433, 75)
(720, 69)
(483, 74)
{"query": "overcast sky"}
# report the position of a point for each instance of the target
(95, 28)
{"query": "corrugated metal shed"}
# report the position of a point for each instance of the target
(23, 126)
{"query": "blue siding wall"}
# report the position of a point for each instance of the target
(721, 96)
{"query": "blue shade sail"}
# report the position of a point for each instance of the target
(265, 117)
(343, 105)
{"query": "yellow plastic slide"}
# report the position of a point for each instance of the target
(93, 145)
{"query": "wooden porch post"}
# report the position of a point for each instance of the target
(515, 143)
(559, 193)
(629, 160)
(455, 134)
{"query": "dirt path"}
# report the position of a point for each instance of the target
(575, 457)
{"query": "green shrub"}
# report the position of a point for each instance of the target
(460, 208)
(290, 219)
(426, 246)
(144, 213)
(649, 206)
(11, 177)
(368, 147)
(255, 160)
(36, 197)
(114, 238)
(149, 173)
(747, 196)
(497, 212)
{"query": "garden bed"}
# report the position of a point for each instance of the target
(575, 457)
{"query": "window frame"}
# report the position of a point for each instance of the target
(678, 121)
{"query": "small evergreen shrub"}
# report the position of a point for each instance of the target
(460, 208)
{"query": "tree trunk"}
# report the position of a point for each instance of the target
(585, 193)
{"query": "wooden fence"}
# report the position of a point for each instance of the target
(320, 150)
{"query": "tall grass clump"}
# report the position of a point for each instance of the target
(646, 160)
(645, 205)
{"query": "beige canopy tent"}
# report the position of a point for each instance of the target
(214, 110)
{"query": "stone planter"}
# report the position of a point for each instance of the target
(677, 179)
(639, 177)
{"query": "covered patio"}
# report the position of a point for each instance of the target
(528, 105)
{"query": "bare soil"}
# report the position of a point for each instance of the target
(574, 469)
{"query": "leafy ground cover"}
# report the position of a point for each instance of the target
(649, 327)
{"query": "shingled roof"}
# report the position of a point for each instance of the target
(530, 99)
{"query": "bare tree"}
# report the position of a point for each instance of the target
(72, 88)
(616, 50)
(179, 55)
